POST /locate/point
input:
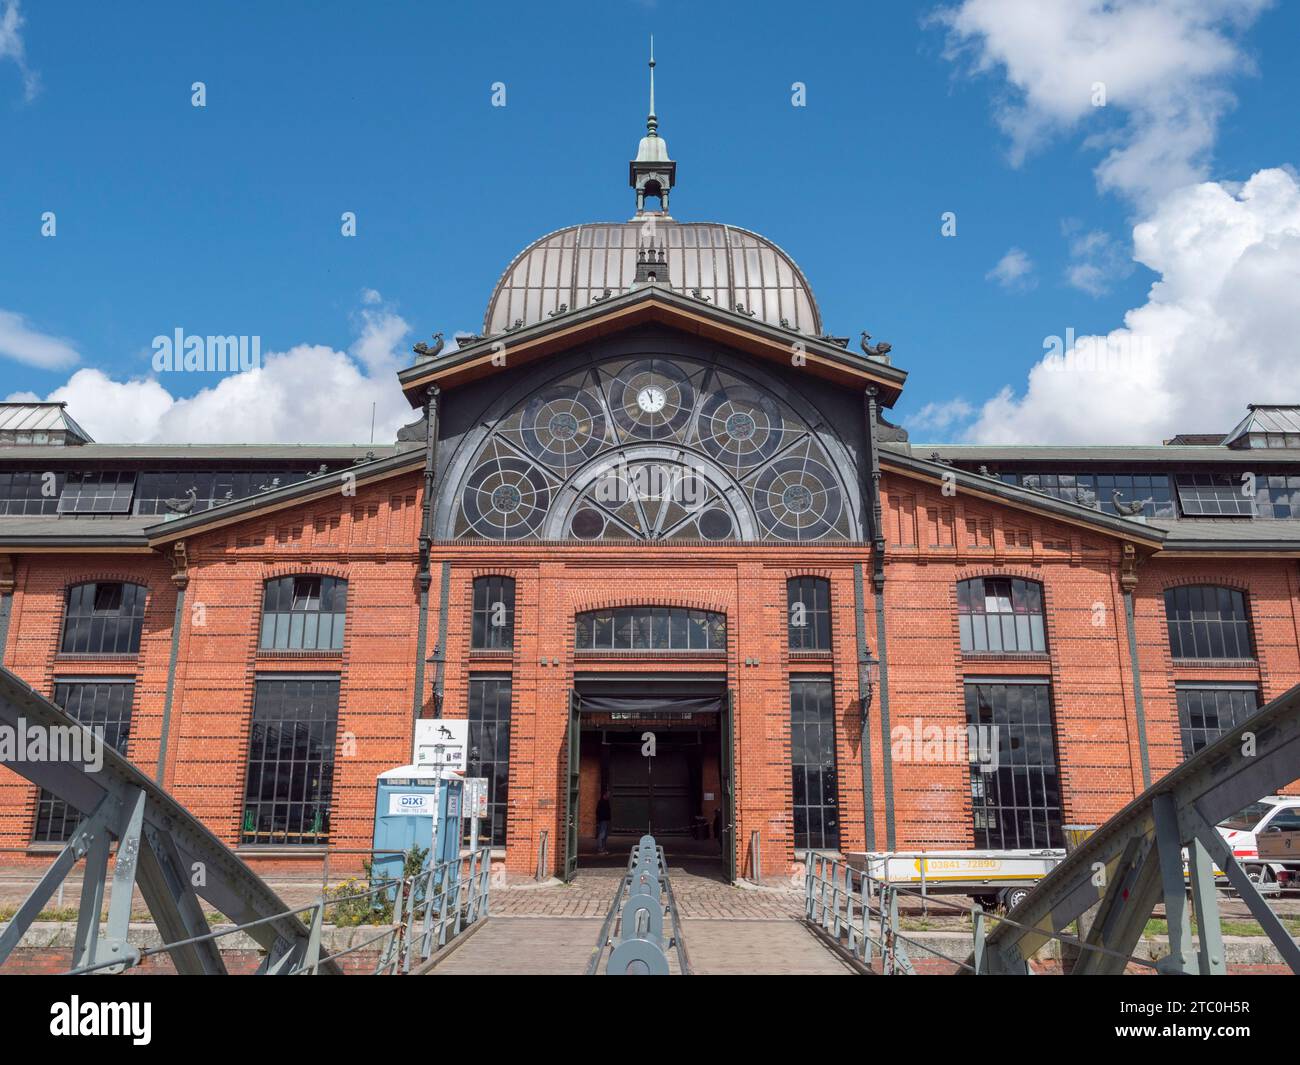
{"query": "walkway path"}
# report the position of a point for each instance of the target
(552, 928)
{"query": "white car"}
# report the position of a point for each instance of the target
(1240, 831)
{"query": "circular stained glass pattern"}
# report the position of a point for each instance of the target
(716, 524)
(651, 400)
(506, 498)
(740, 427)
(667, 426)
(587, 524)
(563, 426)
(797, 499)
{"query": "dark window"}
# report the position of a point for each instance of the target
(493, 614)
(1001, 615)
(97, 704)
(1214, 495)
(1015, 790)
(303, 614)
(1097, 490)
(211, 487)
(658, 628)
(489, 748)
(97, 492)
(291, 761)
(103, 618)
(1207, 621)
(1277, 495)
(1206, 712)
(812, 757)
(808, 601)
(30, 492)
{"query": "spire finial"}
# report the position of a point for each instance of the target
(652, 172)
(652, 123)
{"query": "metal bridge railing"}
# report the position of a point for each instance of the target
(633, 929)
(428, 910)
(859, 915)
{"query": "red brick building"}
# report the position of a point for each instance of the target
(655, 496)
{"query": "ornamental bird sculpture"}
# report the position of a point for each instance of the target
(874, 351)
(1129, 510)
(182, 506)
(427, 351)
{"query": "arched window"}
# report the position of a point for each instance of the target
(1207, 621)
(1001, 615)
(103, 618)
(808, 602)
(303, 613)
(493, 614)
(652, 449)
(651, 628)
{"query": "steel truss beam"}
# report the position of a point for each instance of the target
(162, 849)
(1135, 859)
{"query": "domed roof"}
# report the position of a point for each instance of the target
(730, 266)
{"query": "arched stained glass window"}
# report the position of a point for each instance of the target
(653, 448)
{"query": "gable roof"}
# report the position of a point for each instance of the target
(995, 490)
(651, 303)
(290, 495)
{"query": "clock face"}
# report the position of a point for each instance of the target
(651, 399)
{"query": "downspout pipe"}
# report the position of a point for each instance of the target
(424, 577)
(877, 531)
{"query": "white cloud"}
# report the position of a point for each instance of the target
(1220, 328)
(19, 341)
(1097, 260)
(11, 47)
(1013, 271)
(308, 394)
(1157, 61)
(939, 417)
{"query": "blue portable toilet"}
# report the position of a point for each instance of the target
(416, 806)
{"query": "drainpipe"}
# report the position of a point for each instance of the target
(865, 662)
(877, 530)
(180, 578)
(7, 582)
(423, 575)
(1128, 582)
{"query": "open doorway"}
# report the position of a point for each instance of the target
(654, 753)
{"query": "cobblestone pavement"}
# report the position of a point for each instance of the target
(699, 891)
(562, 946)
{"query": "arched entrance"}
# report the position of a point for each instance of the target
(656, 748)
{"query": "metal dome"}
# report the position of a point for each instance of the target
(730, 266)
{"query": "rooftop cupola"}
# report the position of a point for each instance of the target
(652, 173)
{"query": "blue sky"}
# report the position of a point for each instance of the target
(225, 219)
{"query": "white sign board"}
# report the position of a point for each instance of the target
(411, 804)
(476, 797)
(441, 742)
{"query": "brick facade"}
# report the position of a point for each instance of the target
(933, 540)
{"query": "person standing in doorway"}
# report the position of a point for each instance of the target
(602, 823)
